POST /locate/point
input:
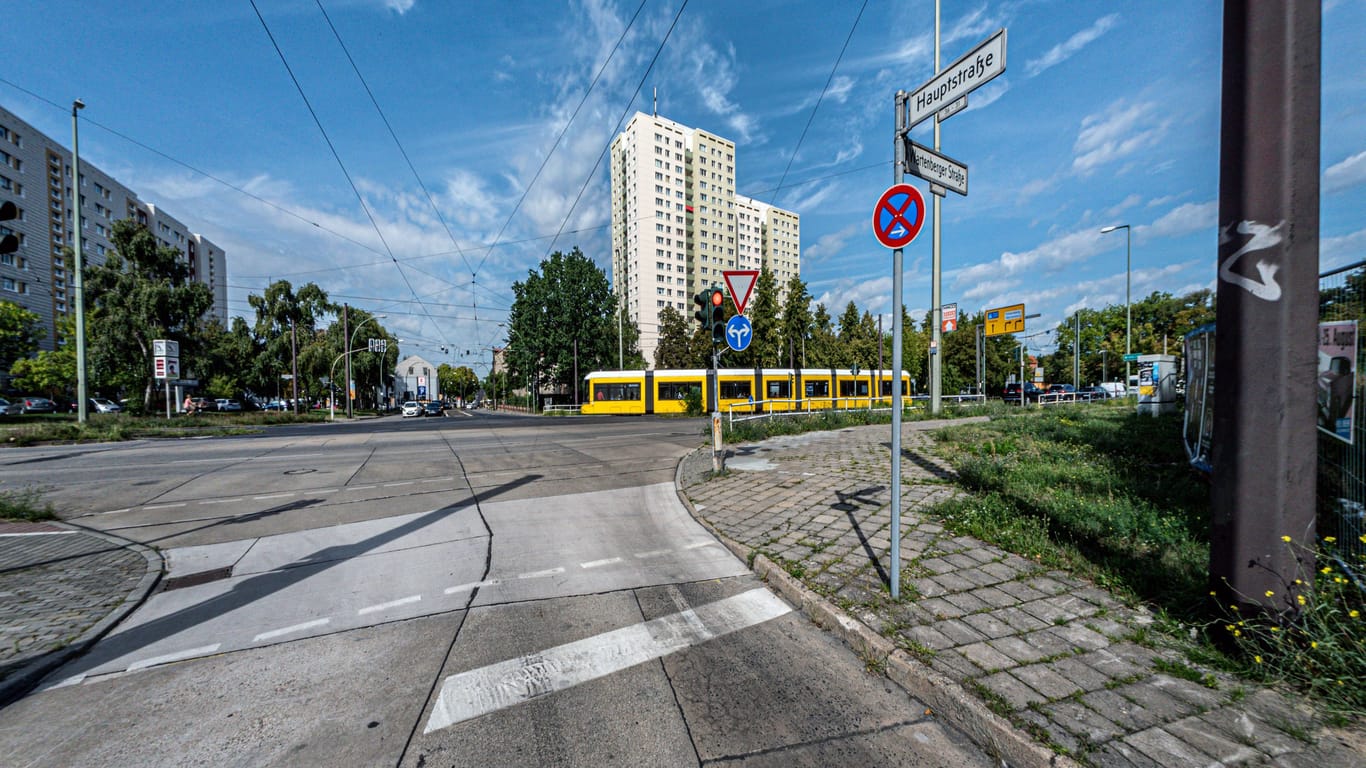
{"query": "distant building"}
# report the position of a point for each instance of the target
(35, 174)
(677, 222)
(415, 379)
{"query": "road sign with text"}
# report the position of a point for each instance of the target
(936, 168)
(975, 69)
(1005, 320)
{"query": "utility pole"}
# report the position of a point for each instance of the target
(346, 350)
(294, 361)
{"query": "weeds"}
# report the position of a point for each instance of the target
(25, 505)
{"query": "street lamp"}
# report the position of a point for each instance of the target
(1128, 316)
(79, 282)
(352, 343)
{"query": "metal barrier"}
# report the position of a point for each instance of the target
(763, 409)
(561, 409)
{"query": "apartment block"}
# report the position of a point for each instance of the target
(35, 174)
(677, 222)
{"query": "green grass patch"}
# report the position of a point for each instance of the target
(826, 421)
(26, 505)
(115, 427)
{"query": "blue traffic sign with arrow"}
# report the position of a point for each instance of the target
(739, 331)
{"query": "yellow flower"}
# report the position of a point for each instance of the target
(1330, 539)
(1275, 629)
(1237, 633)
(1339, 580)
(1233, 607)
(1362, 538)
(1354, 614)
(1228, 627)
(1269, 593)
(1257, 659)
(1286, 539)
(1313, 644)
(1326, 569)
(1299, 599)
(1299, 581)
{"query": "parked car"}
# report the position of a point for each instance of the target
(1093, 393)
(412, 408)
(434, 409)
(102, 405)
(10, 409)
(1114, 388)
(32, 404)
(1013, 392)
(1061, 389)
(226, 404)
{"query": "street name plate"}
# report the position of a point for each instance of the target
(936, 168)
(975, 69)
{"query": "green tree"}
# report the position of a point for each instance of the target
(285, 319)
(53, 373)
(18, 333)
(679, 345)
(457, 382)
(766, 349)
(822, 347)
(857, 339)
(566, 307)
(142, 291)
(796, 322)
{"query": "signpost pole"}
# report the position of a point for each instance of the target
(894, 568)
(936, 365)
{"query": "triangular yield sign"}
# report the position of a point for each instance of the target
(740, 282)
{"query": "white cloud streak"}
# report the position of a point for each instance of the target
(1066, 50)
(1342, 176)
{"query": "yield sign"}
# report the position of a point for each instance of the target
(740, 282)
(899, 214)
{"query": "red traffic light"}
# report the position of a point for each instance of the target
(717, 298)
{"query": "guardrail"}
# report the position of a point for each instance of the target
(763, 409)
(561, 409)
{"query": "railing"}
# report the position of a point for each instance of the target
(763, 409)
(561, 409)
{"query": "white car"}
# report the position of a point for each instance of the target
(412, 408)
(224, 405)
(101, 405)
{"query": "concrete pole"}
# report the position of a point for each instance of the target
(78, 267)
(937, 333)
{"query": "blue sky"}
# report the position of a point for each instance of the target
(1107, 114)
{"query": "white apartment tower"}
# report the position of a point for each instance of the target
(677, 223)
(35, 173)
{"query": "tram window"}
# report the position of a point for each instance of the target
(616, 392)
(677, 390)
(735, 390)
(887, 387)
(778, 390)
(853, 388)
(817, 389)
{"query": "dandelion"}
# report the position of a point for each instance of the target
(1299, 599)
(1354, 613)
(1233, 608)
(1286, 539)
(1299, 581)
(1330, 539)
(1269, 593)
(1326, 569)
(1257, 659)
(1314, 644)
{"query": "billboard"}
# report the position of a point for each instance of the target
(1336, 385)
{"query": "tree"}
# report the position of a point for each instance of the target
(796, 322)
(18, 333)
(766, 349)
(457, 382)
(857, 340)
(282, 316)
(52, 373)
(823, 348)
(678, 347)
(142, 291)
(567, 306)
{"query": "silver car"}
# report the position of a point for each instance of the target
(10, 409)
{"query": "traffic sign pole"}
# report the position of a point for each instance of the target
(894, 568)
(936, 267)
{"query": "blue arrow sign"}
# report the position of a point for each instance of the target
(738, 333)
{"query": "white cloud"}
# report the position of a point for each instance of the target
(1183, 220)
(1064, 51)
(1123, 205)
(1340, 251)
(400, 6)
(1122, 129)
(833, 243)
(1346, 174)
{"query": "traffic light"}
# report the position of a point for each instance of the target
(703, 313)
(9, 243)
(717, 299)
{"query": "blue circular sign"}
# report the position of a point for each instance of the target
(899, 215)
(739, 331)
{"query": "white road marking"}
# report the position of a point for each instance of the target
(478, 692)
(77, 680)
(600, 563)
(274, 496)
(388, 605)
(433, 480)
(165, 506)
(702, 544)
(35, 533)
(470, 586)
(220, 501)
(393, 485)
(359, 488)
(290, 630)
(540, 574)
(653, 553)
(170, 657)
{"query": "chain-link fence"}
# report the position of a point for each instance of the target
(1341, 411)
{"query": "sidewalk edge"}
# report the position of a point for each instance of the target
(23, 681)
(944, 697)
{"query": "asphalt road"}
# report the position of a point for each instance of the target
(478, 589)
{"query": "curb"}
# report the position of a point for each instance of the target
(944, 697)
(19, 684)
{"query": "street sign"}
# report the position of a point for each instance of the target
(1132, 357)
(165, 348)
(975, 69)
(899, 215)
(379, 345)
(949, 317)
(936, 168)
(740, 283)
(952, 109)
(739, 332)
(1005, 320)
(166, 367)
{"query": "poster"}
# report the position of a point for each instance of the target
(1336, 390)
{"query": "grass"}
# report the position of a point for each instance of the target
(1108, 495)
(26, 505)
(115, 427)
(825, 421)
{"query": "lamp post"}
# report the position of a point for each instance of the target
(349, 344)
(1128, 313)
(76, 262)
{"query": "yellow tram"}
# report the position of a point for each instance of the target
(742, 390)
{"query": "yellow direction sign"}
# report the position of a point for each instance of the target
(1005, 320)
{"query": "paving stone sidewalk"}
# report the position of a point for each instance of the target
(1038, 666)
(61, 588)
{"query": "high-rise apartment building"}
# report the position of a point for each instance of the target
(35, 173)
(677, 222)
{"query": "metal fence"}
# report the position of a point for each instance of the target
(1342, 445)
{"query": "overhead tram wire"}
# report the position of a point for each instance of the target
(819, 99)
(361, 199)
(565, 130)
(587, 180)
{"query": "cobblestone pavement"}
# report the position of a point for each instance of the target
(1036, 665)
(60, 587)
